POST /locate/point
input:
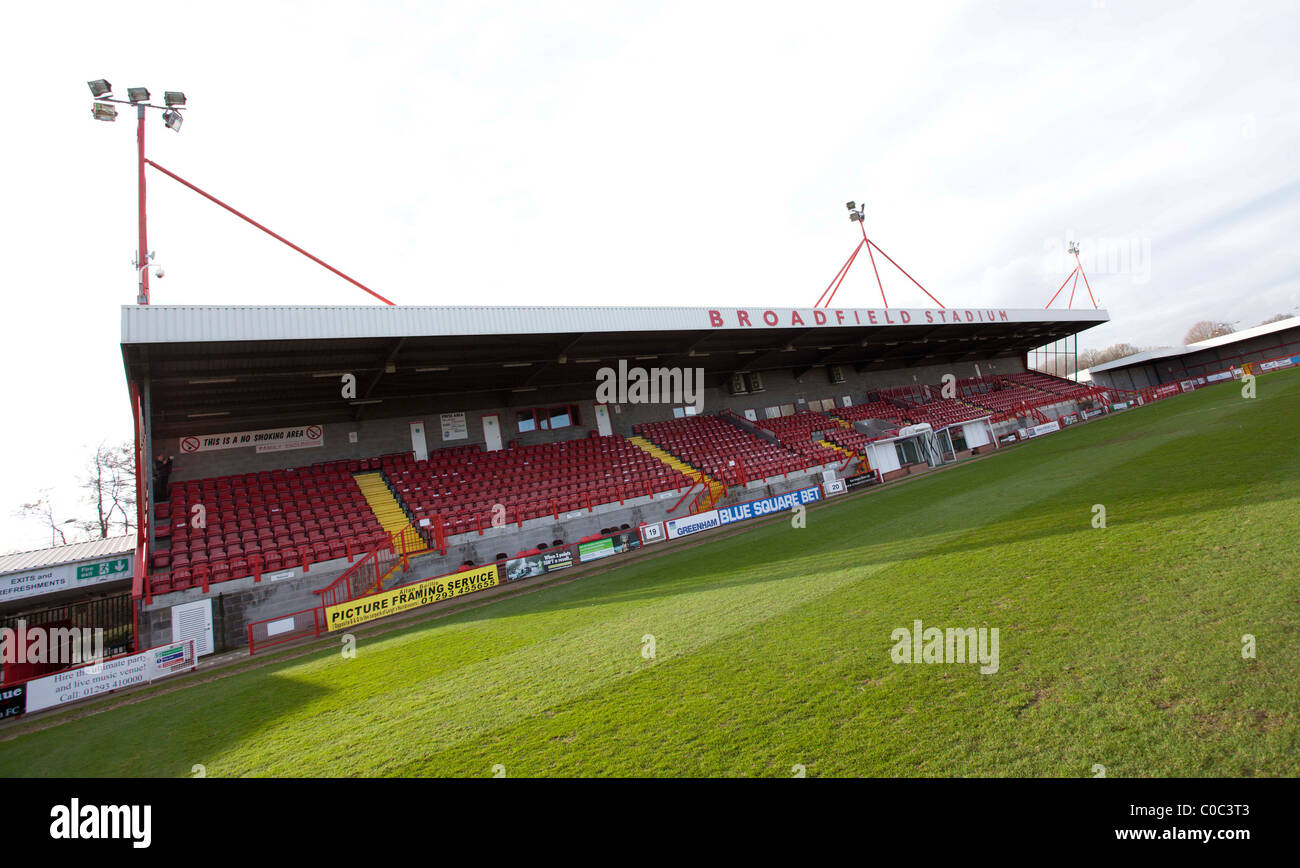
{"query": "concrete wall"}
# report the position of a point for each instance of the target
(236, 603)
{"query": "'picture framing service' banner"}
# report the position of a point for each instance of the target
(413, 596)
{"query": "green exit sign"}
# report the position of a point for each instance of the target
(104, 568)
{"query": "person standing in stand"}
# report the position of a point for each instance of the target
(162, 470)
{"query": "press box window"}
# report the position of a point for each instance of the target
(547, 418)
(560, 417)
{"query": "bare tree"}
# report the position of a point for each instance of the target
(110, 488)
(1090, 358)
(1206, 329)
(1277, 317)
(42, 510)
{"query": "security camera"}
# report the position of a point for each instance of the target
(159, 273)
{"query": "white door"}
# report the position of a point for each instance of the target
(418, 446)
(602, 420)
(492, 433)
(194, 621)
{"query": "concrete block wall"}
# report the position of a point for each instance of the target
(237, 603)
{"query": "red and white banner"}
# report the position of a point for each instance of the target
(1039, 430)
(267, 440)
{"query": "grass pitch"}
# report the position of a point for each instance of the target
(1119, 647)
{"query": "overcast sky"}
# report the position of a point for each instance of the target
(633, 153)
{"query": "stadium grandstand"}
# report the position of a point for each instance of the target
(319, 454)
(1269, 346)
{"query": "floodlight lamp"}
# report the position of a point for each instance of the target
(137, 94)
(173, 97)
(851, 205)
(172, 120)
(100, 87)
(103, 111)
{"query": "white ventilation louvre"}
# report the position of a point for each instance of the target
(194, 621)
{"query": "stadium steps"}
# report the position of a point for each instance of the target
(715, 489)
(392, 518)
(848, 453)
(863, 461)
